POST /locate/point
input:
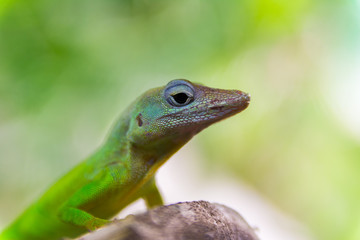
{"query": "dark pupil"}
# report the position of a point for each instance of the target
(180, 98)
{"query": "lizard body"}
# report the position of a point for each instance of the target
(122, 170)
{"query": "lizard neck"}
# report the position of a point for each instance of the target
(119, 148)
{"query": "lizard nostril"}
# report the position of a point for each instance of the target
(247, 97)
(219, 108)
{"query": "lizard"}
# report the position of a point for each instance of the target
(123, 168)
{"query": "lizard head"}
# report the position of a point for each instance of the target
(172, 114)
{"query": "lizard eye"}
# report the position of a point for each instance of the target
(180, 99)
(179, 95)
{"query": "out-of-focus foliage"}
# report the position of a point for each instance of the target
(68, 68)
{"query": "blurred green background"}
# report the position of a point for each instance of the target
(68, 69)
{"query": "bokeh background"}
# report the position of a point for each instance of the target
(68, 69)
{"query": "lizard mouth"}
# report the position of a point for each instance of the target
(240, 102)
(229, 104)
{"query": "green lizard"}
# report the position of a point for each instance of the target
(122, 170)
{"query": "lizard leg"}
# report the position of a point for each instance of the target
(73, 211)
(152, 196)
(81, 218)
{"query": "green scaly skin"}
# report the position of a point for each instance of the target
(122, 170)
